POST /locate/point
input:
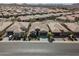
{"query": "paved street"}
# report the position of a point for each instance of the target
(32, 48)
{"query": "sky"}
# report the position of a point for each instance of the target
(39, 1)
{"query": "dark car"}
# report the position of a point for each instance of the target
(9, 33)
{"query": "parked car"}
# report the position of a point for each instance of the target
(11, 37)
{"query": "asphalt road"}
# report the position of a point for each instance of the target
(37, 49)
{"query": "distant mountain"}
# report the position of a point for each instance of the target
(76, 4)
(51, 5)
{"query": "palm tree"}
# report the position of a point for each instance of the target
(76, 19)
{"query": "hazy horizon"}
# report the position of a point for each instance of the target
(39, 1)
